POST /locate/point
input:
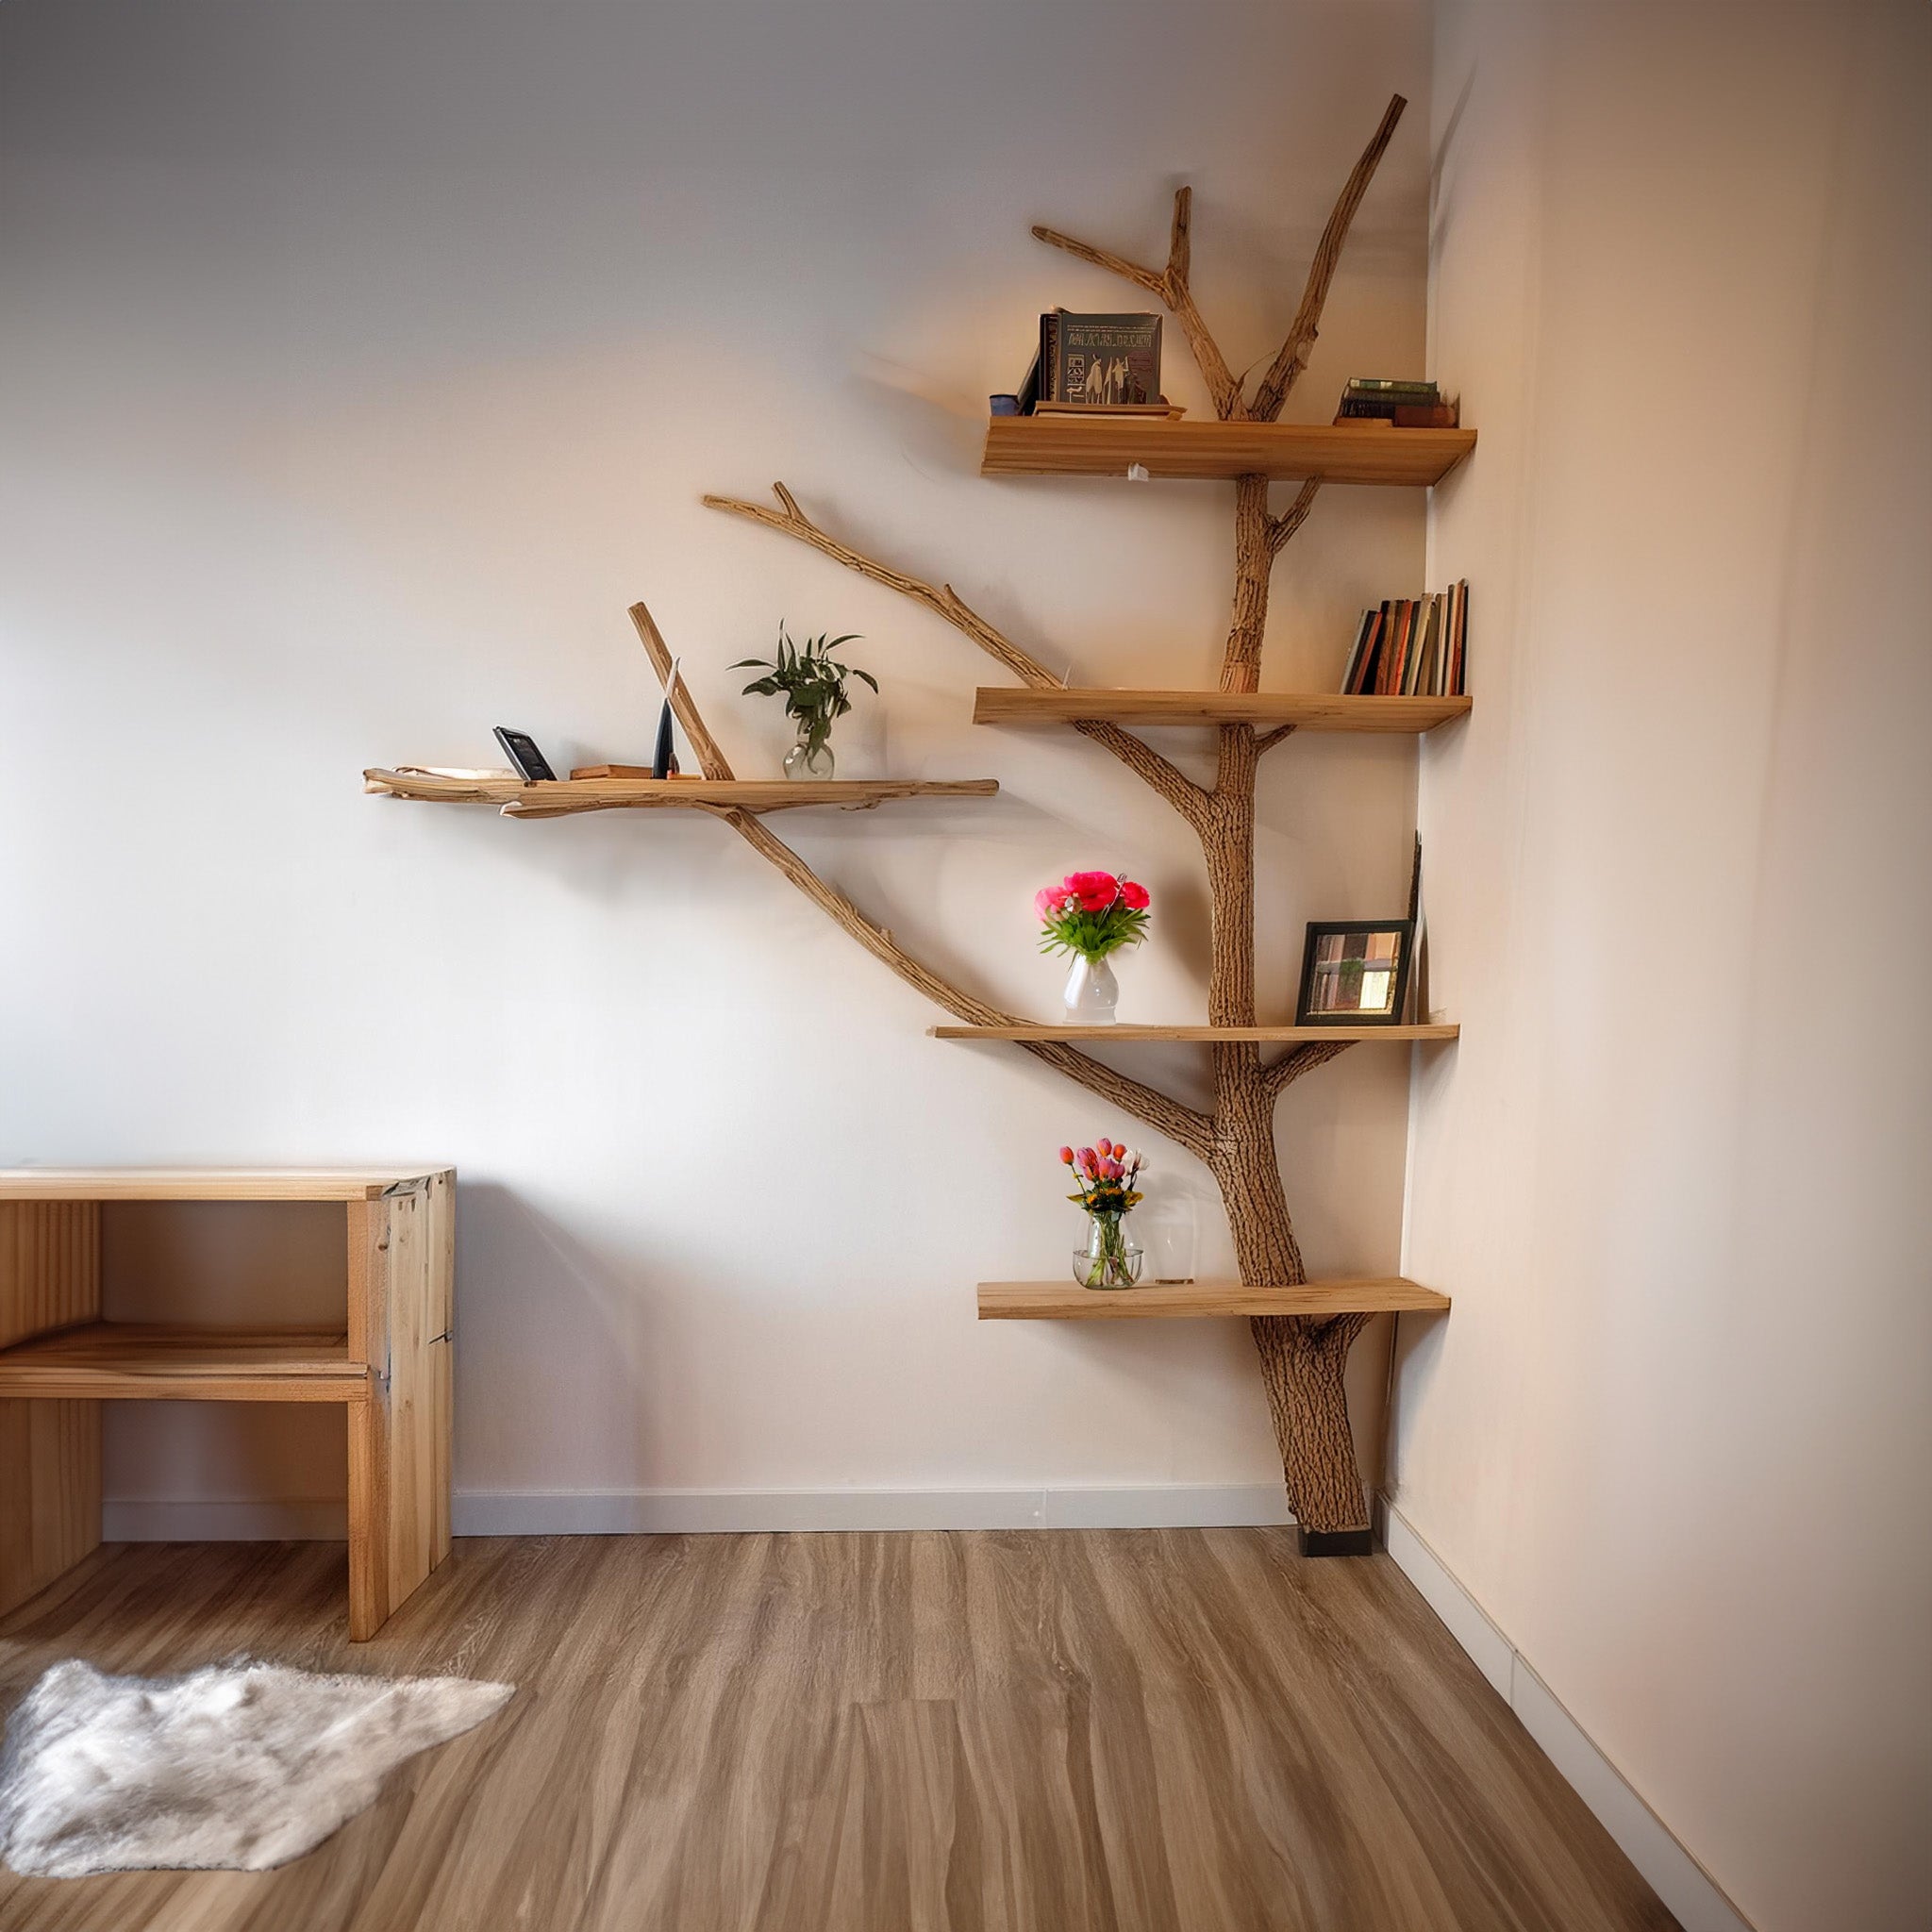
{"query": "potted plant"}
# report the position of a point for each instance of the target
(1089, 915)
(812, 683)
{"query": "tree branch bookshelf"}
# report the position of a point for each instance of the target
(1303, 1331)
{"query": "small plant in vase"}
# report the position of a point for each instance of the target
(812, 683)
(1089, 915)
(1107, 1173)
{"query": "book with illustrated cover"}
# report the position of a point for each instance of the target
(1100, 359)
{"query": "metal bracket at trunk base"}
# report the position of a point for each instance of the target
(1336, 1542)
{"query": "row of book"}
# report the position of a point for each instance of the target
(1406, 404)
(1412, 647)
(1099, 363)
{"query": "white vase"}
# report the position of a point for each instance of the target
(1092, 993)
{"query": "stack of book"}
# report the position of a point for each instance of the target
(1406, 404)
(1092, 365)
(1412, 647)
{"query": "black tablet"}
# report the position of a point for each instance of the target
(520, 749)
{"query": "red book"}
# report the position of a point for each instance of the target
(1395, 659)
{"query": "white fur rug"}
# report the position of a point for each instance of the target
(240, 1766)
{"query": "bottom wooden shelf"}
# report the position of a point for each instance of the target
(1063, 1301)
(140, 1361)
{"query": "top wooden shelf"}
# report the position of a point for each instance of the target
(1338, 452)
(560, 797)
(212, 1183)
(1309, 710)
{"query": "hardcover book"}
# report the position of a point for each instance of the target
(1101, 359)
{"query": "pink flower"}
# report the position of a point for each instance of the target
(1094, 890)
(1067, 1155)
(1050, 901)
(1104, 1147)
(1114, 1170)
(1133, 897)
(1088, 1156)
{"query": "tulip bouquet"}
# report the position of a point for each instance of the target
(1091, 915)
(1105, 1173)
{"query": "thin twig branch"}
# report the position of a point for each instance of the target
(1269, 740)
(711, 761)
(1292, 357)
(1290, 519)
(1168, 780)
(1170, 285)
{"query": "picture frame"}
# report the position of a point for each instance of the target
(1355, 972)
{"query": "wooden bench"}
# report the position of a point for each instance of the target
(389, 1362)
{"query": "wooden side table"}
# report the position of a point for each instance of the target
(389, 1362)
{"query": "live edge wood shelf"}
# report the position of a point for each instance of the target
(388, 1364)
(560, 797)
(1065, 1300)
(1340, 453)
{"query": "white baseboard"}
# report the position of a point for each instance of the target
(689, 1512)
(171, 1519)
(1689, 1892)
(636, 1512)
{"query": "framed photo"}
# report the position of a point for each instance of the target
(1355, 972)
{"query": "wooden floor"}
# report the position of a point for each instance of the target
(1190, 1729)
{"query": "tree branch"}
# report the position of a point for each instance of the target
(1184, 1124)
(1168, 780)
(711, 761)
(1170, 285)
(1290, 519)
(1278, 1075)
(1292, 357)
(1269, 740)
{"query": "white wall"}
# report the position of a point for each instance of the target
(361, 364)
(1675, 1438)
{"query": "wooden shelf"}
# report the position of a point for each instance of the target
(1095, 446)
(125, 1360)
(560, 797)
(1435, 1030)
(1309, 710)
(1064, 1301)
(212, 1183)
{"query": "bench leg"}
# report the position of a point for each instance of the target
(50, 1492)
(50, 1452)
(402, 1250)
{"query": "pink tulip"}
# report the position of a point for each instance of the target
(1087, 1156)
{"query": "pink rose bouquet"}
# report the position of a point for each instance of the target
(1092, 913)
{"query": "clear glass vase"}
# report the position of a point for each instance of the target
(1109, 1259)
(804, 761)
(1092, 993)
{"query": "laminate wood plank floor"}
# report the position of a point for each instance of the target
(1045, 1731)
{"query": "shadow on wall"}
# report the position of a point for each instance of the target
(551, 1343)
